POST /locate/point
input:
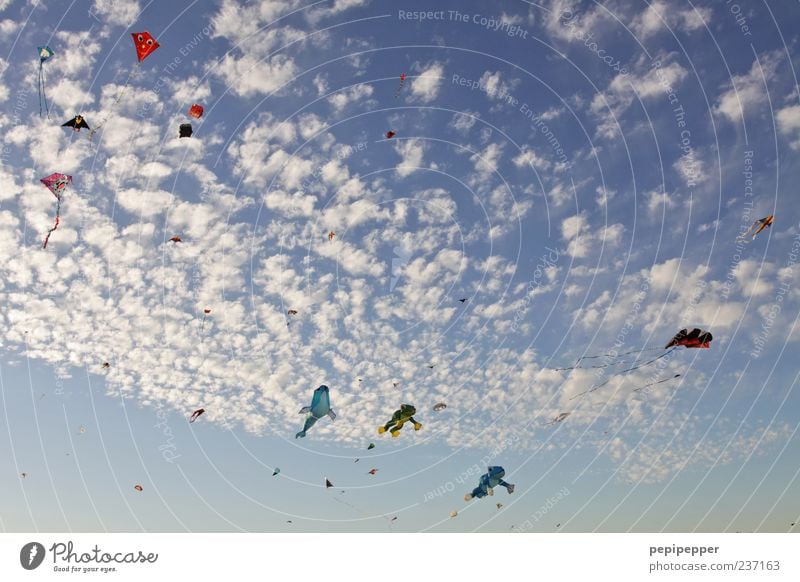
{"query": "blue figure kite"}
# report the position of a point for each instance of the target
(492, 479)
(399, 418)
(45, 52)
(320, 406)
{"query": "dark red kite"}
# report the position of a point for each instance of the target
(372, 471)
(196, 414)
(175, 239)
(697, 338)
(390, 134)
(145, 44)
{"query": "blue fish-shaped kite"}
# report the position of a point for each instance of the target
(492, 479)
(320, 406)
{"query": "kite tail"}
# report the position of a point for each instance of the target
(44, 95)
(55, 226)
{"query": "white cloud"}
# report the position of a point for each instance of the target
(747, 91)
(426, 86)
(659, 17)
(116, 12)
(789, 124)
(351, 95)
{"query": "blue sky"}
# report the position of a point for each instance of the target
(578, 172)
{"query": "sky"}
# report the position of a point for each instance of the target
(579, 172)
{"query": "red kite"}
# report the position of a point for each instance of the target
(145, 44)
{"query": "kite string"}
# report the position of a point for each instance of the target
(576, 367)
(669, 351)
(44, 92)
(120, 93)
(654, 383)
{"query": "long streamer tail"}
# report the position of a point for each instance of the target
(55, 226)
(579, 367)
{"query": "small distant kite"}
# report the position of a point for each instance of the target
(499, 506)
(697, 338)
(757, 227)
(292, 312)
(196, 111)
(77, 123)
(185, 130)
(196, 414)
(175, 239)
(560, 418)
(463, 300)
(138, 487)
(371, 446)
(372, 471)
(328, 484)
(390, 134)
(400, 86)
(82, 430)
(57, 184)
(439, 407)
(453, 514)
(45, 52)
(399, 418)
(23, 475)
(331, 234)
(106, 365)
(276, 471)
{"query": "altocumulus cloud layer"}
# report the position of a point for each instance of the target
(578, 205)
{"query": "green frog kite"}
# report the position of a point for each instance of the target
(399, 418)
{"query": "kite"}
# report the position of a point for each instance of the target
(464, 300)
(82, 430)
(499, 506)
(697, 338)
(185, 130)
(399, 418)
(492, 479)
(402, 82)
(292, 312)
(175, 239)
(357, 460)
(371, 446)
(453, 514)
(77, 123)
(560, 418)
(196, 414)
(196, 111)
(276, 471)
(138, 487)
(757, 227)
(395, 384)
(328, 484)
(372, 471)
(23, 475)
(390, 134)
(431, 366)
(106, 365)
(45, 52)
(56, 183)
(439, 407)
(145, 45)
(320, 406)
(331, 234)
